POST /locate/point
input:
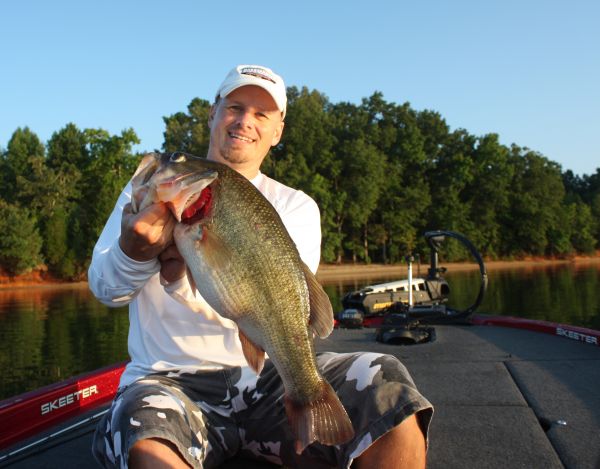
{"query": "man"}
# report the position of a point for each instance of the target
(188, 398)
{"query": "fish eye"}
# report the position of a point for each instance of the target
(177, 157)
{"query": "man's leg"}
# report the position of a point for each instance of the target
(403, 447)
(157, 454)
(380, 397)
(144, 416)
(390, 416)
(165, 420)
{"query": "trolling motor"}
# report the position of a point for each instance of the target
(446, 314)
(405, 323)
(401, 308)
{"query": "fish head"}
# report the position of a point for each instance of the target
(181, 181)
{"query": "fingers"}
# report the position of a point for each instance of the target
(155, 214)
(172, 264)
(170, 253)
(145, 235)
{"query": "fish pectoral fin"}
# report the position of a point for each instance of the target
(255, 355)
(321, 312)
(215, 251)
(324, 420)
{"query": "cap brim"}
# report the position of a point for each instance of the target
(248, 80)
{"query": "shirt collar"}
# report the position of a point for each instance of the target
(257, 179)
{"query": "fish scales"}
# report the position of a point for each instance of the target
(270, 280)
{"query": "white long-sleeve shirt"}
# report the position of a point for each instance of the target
(185, 334)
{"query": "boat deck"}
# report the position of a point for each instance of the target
(503, 398)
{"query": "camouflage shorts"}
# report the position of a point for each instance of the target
(215, 415)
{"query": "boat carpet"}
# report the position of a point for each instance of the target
(503, 397)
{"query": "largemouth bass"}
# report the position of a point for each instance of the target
(244, 263)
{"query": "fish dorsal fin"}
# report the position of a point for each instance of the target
(321, 312)
(255, 356)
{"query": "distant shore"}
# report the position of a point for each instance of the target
(335, 272)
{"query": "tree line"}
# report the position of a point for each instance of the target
(382, 174)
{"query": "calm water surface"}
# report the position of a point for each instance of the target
(47, 335)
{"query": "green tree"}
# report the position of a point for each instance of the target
(48, 184)
(595, 209)
(189, 131)
(403, 190)
(535, 225)
(362, 176)
(305, 159)
(451, 175)
(68, 158)
(583, 227)
(58, 251)
(590, 194)
(111, 165)
(487, 193)
(20, 243)
(24, 152)
(68, 151)
(349, 127)
(306, 147)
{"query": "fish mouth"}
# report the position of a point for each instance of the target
(199, 208)
(188, 195)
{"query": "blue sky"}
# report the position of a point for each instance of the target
(528, 70)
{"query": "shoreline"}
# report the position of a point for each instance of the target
(334, 272)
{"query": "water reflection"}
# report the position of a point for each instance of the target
(566, 294)
(47, 335)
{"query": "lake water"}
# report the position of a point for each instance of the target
(47, 335)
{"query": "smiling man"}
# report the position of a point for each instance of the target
(187, 397)
(245, 122)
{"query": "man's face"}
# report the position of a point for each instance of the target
(243, 127)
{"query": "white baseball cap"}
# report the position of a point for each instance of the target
(256, 75)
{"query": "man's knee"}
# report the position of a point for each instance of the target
(404, 446)
(155, 453)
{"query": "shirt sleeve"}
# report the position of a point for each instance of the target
(113, 277)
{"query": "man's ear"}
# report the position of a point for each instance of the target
(278, 133)
(211, 115)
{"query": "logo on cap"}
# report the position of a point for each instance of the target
(257, 72)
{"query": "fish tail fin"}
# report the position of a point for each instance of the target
(324, 420)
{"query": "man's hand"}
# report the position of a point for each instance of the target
(146, 234)
(172, 265)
